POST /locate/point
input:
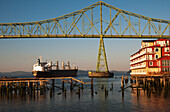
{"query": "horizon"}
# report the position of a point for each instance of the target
(21, 54)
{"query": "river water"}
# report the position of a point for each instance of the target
(86, 102)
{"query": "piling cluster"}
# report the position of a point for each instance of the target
(151, 85)
(22, 88)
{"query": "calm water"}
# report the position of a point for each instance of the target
(86, 102)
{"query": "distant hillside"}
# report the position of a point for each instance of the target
(15, 74)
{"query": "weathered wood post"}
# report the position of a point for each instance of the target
(126, 79)
(92, 87)
(111, 86)
(0, 88)
(37, 87)
(122, 82)
(11, 86)
(63, 84)
(137, 91)
(161, 79)
(79, 92)
(144, 81)
(45, 85)
(82, 83)
(92, 83)
(102, 86)
(41, 87)
(137, 84)
(65, 92)
(28, 87)
(164, 80)
(15, 87)
(53, 84)
(122, 85)
(71, 85)
(50, 92)
(33, 84)
(106, 91)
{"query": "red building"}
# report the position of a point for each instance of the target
(152, 58)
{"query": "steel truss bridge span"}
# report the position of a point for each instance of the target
(94, 21)
(99, 20)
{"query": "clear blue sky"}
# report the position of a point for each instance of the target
(21, 54)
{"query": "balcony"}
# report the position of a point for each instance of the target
(136, 67)
(143, 59)
(141, 53)
(139, 73)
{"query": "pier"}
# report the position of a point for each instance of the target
(31, 85)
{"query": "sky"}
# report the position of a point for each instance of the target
(21, 54)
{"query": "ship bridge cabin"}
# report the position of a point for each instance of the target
(153, 58)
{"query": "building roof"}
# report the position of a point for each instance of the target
(148, 40)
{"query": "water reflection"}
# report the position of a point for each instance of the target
(154, 99)
(56, 100)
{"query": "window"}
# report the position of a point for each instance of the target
(156, 49)
(166, 49)
(163, 62)
(156, 56)
(150, 57)
(151, 63)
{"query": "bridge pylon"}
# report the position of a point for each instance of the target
(102, 67)
(102, 59)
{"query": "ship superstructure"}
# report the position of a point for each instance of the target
(44, 69)
(153, 58)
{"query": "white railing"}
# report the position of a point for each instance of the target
(143, 59)
(139, 73)
(141, 66)
(142, 53)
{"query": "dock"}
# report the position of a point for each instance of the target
(30, 85)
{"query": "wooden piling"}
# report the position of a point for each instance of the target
(111, 86)
(44, 85)
(82, 83)
(50, 92)
(92, 83)
(144, 81)
(92, 94)
(0, 88)
(79, 92)
(71, 85)
(122, 82)
(137, 84)
(164, 81)
(126, 79)
(102, 86)
(63, 84)
(106, 91)
(65, 92)
(53, 84)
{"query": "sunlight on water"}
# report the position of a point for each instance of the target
(59, 101)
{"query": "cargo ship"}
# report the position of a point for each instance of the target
(44, 69)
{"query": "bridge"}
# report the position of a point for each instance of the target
(99, 20)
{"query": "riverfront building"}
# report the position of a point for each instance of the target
(153, 58)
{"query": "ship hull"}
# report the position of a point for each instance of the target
(56, 73)
(100, 75)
